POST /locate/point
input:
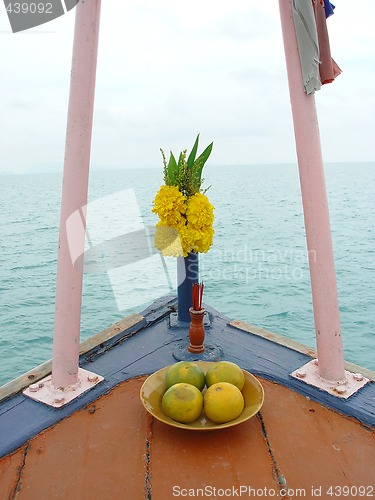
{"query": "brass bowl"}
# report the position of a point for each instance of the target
(154, 388)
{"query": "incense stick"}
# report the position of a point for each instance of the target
(197, 296)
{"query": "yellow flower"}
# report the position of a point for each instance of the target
(167, 240)
(185, 224)
(186, 239)
(203, 239)
(170, 205)
(200, 212)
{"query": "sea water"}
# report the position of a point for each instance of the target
(256, 271)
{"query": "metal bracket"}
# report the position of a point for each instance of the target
(309, 373)
(44, 392)
(174, 322)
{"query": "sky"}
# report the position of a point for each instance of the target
(169, 70)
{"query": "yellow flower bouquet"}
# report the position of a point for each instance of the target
(185, 213)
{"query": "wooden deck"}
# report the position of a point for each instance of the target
(113, 449)
(104, 445)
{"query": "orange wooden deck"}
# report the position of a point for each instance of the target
(113, 449)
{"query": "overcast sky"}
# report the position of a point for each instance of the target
(168, 70)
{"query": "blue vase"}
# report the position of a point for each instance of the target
(187, 274)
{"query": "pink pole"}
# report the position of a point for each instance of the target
(315, 207)
(74, 194)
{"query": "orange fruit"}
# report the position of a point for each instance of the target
(225, 371)
(182, 402)
(223, 402)
(187, 372)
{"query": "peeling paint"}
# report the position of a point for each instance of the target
(21, 468)
(279, 477)
(148, 442)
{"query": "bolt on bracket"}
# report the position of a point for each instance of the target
(44, 392)
(309, 374)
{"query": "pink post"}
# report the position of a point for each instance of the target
(315, 206)
(74, 194)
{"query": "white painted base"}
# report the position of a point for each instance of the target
(309, 373)
(44, 391)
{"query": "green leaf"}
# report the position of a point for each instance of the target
(192, 155)
(172, 170)
(201, 160)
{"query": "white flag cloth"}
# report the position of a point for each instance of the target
(307, 38)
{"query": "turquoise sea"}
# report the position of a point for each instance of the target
(256, 271)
